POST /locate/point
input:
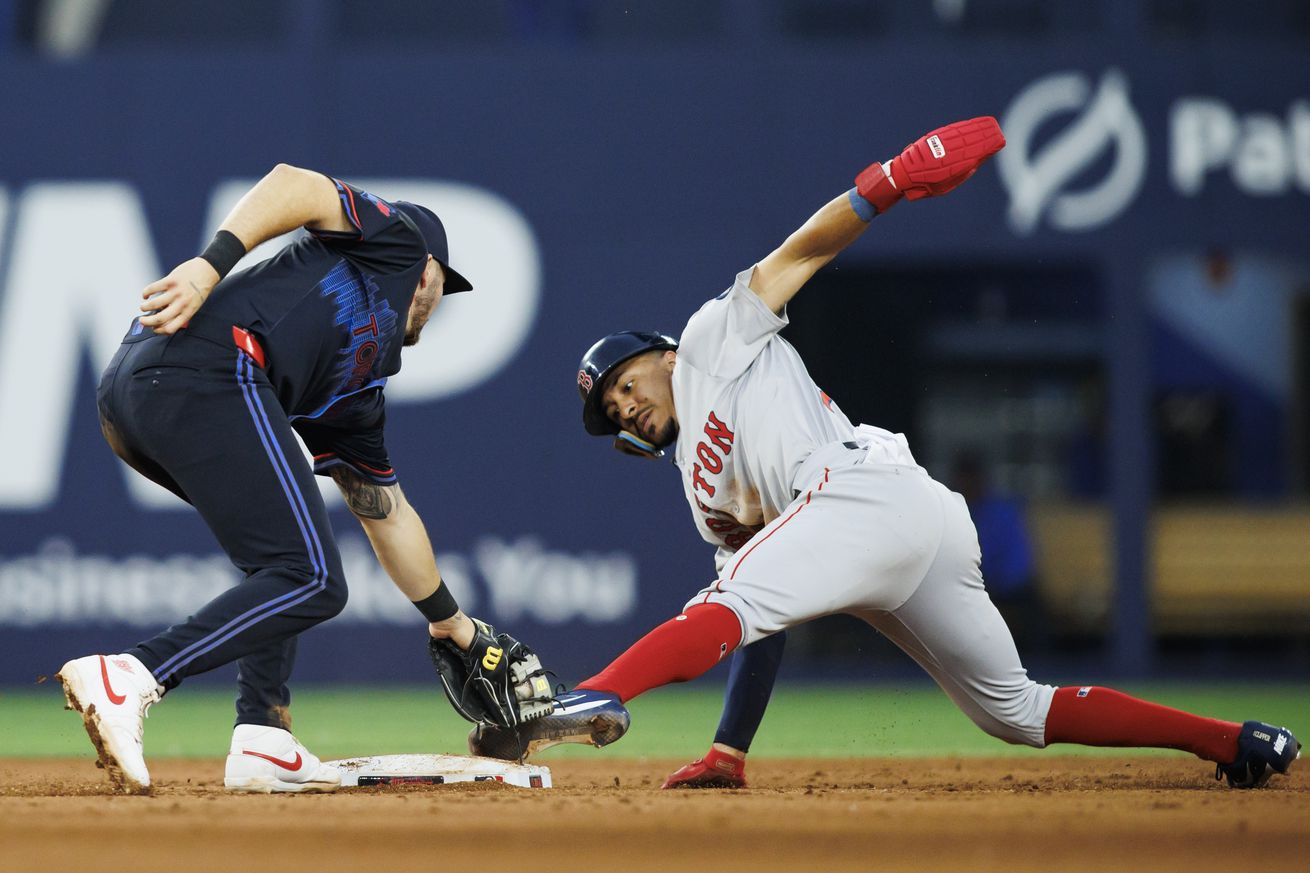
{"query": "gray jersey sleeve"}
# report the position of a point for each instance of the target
(725, 335)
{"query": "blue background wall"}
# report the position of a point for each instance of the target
(648, 176)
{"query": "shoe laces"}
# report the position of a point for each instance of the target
(146, 700)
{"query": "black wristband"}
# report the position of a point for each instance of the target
(439, 606)
(223, 252)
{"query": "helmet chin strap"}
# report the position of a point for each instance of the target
(631, 444)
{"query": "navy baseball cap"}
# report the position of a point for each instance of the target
(434, 234)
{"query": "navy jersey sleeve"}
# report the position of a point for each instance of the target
(350, 433)
(384, 239)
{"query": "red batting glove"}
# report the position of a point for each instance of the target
(933, 164)
(716, 770)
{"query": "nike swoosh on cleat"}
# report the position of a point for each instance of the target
(115, 699)
(285, 765)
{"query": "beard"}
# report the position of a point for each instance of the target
(419, 312)
(666, 435)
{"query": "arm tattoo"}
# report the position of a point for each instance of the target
(366, 499)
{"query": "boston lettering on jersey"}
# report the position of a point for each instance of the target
(711, 451)
(720, 437)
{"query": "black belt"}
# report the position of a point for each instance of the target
(225, 334)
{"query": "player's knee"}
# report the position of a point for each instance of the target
(1012, 733)
(327, 588)
(332, 600)
(1018, 717)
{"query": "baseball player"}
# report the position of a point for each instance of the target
(812, 515)
(206, 396)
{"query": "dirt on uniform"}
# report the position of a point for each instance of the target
(1017, 814)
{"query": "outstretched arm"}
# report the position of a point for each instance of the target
(780, 275)
(930, 166)
(401, 543)
(492, 678)
(285, 199)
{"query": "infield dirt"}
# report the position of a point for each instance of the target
(1041, 814)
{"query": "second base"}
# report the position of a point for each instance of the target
(437, 770)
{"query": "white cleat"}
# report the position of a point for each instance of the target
(113, 692)
(265, 760)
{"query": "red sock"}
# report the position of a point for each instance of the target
(680, 649)
(1105, 717)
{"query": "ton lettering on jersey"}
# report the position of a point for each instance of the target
(718, 437)
(710, 453)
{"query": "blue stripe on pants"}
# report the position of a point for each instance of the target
(314, 548)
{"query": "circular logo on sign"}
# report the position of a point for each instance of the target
(1037, 179)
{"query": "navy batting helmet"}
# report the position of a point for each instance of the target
(600, 360)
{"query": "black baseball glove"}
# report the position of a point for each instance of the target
(498, 681)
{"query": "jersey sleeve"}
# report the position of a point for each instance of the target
(725, 335)
(350, 433)
(383, 240)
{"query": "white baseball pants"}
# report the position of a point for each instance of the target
(890, 545)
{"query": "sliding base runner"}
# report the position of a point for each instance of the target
(437, 770)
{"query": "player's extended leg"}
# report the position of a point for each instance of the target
(808, 562)
(952, 629)
(207, 418)
(679, 650)
(682, 648)
(221, 435)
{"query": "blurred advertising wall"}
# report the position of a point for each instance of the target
(589, 190)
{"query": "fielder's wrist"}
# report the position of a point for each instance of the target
(439, 606)
(223, 252)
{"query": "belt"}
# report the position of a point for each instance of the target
(829, 456)
(224, 334)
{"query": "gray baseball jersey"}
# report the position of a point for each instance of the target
(812, 515)
(754, 428)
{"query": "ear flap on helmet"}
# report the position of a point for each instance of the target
(631, 444)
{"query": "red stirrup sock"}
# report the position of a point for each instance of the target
(680, 649)
(1105, 717)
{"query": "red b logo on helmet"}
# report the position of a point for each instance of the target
(584, 380)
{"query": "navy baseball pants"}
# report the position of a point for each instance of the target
(201, 418)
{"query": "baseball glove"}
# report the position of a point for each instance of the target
(498, 681)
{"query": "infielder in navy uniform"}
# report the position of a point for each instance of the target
(205, 397)
(813, 515)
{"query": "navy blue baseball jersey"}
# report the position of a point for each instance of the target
(329, 311)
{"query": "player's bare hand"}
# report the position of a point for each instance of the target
(171, 301)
